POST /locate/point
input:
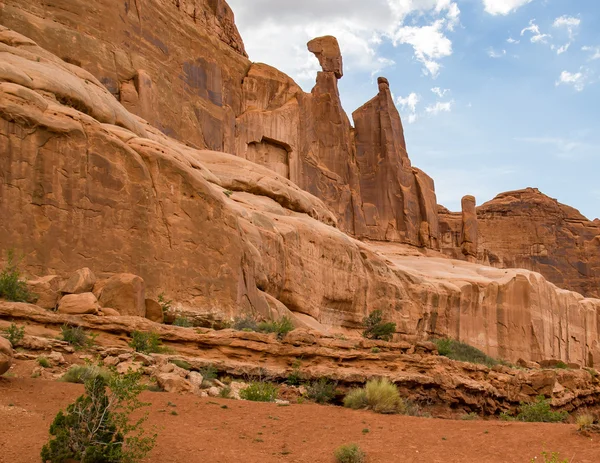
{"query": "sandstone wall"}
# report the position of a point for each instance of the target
(527, 229)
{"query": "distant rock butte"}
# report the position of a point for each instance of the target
(97, 175)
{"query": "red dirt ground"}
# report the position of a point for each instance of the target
(203, 431)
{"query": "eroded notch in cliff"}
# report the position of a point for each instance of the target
(272, 154)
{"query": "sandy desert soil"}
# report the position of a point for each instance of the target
(224, 431)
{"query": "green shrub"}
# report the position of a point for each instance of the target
(561, 365)
(183, 322)
(209, 372)
(376, 328)
(282, 326)
(15, 334)
(547, 457)
(181, 364)
(540, 412)
(43, 362)
(165, 303)
(259, 391)
(12, 287)
(225, 393)
(82, 373)
(295, 377)
(97, 428)
(322, 391)
(76, 336)
(146, 342)
(379, 395)
(350, 453)
(469, 416)
(246, 323)
(460, 351)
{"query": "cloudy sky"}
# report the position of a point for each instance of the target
(495, 95)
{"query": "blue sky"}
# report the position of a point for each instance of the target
(495, 95)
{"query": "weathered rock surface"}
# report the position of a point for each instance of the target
(469, 228)
(125, 293)
(80, 281)
(78, 304)
(327, 51)
(154, 311)
(45, 290)
(6, 355)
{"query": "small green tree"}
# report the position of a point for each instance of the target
(15, 334)
(376, 328)
(96, 428)
(165, 303)
(12, 287)
(146, 342)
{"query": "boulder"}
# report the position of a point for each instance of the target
(125, 293)
(108, 312)
(80, 281)
(6, 355)
(79, 304)
(195, 379)
(46, 291)
(154, 311)
(172, 382)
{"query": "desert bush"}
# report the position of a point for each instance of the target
(82, 373)
(322, 391)
(97, 428)
(146, 342)
(560, 365)
(246, 323)
(165, 303)
(76, 336)
(43, 362)
(376, 328)
(282, 326)
(460, 351)
(584, 420)
(469, 416)
(350, 453)
(181, 364)
(182, 321)
(548, 457)
(295, 377)
(12, 287)
(539, 411)
(259, 391)
(209, 372)
(14, 334)
(225, 393)
(379, 395)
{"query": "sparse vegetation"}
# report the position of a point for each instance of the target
(181, 364)
(379, 395)
(548, 457)
(282, 326)
(376, 328)
(208, 373)
(165, 303)
(146, 342)
(469, 416)
(246, 323)
(260, 391)
(76, 336)
(43, 362)
(536, 412)
(295, 377)
(82, 373)
(15, 334)
(182, 321)
(584, 421)
(560, 365)
(225, 393)
(322, 391)
(12, 287)
(460, 351)
(350, 453)
(97, 428)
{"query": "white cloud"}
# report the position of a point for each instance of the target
(439, 107)
(409, 103)
(513, 41)
(571, 25)
(595, 51)
(496, 54)
(429, 43)
(276, 32)
(564, 148)
(536, 35)
(441, 92)
(503, 7)
(577, 79)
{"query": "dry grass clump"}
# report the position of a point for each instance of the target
(379, 395)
